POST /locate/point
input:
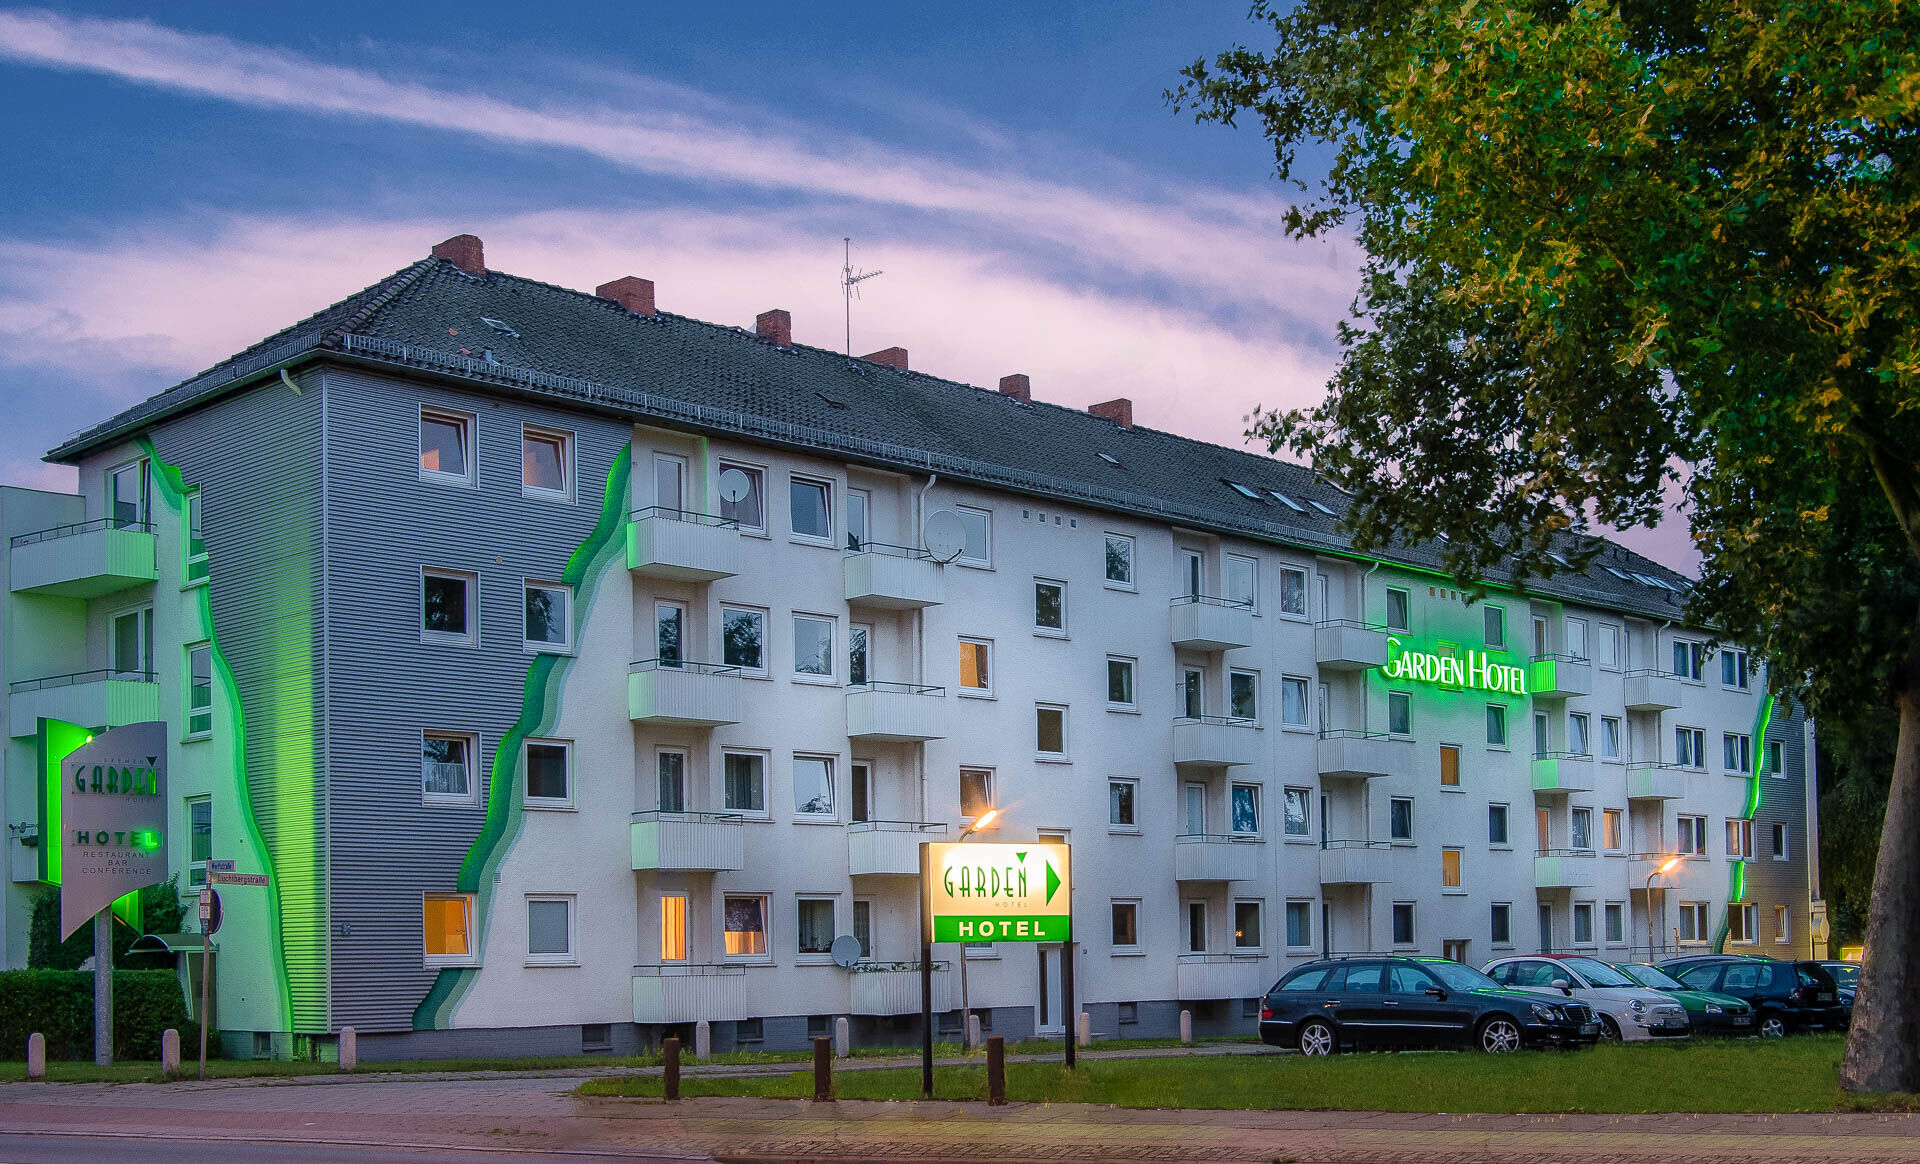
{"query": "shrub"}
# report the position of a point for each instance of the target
(59, 1005)
(160, 910)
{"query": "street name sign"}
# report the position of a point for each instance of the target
(999, 893)
(237, 878)
(218, 866)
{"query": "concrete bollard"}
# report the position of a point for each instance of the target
(36, 1056)
(973, 1031)
(349, 1049)
(670, 1068)
(703, 1040)
(996, 1071)
(842, 1037)
(1086, 1029)
(1186, 1028)
(822, 1069)
(169, 1052)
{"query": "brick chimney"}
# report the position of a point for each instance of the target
(1018, 387)
(891, 357)
(463, 251)
(1119, 411)
(631, 292)
(774, 326)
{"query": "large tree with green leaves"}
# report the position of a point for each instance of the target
(1617, 247)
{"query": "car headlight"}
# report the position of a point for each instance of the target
(1636, 1006)
(1714, 1008)
(1545, 1013)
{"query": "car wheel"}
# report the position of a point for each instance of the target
(1317, 1038)
(1609, 1030)
(1773, 1025)
(1499, 1035)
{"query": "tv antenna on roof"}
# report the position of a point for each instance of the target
(850, 287)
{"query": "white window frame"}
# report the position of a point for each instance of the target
(1453, 890)
(1581, 812)
(765, 811)
(571, 956)
(1066, 742)
(1506, 909)
(470, 438)
(1608, 633)
(1742, 680)
(1619, 817)
(1499, 711)
(1610, 749)
(186, 818)
(1131, 827)
(686, 778)
(758, 472)
(1305, 687)
(1581, 649)
(1741, 748)
(1611, 911)
(832, 815)
(1413, 926)
(764, 958)
(565, 438)
(864, 632)
(471, 957)
(766, 647)
(1131, 950)
(1259, 944)
(1697, 824)
(188, 713)
(535, 646)
(1583, 737)
(1413, 824)
(1695, 656)
(528, 799)
(1252, 563)
(1769, 750)
(142, 617)
(1698, 914)
(1506, 817)
(1490, 616)
(985, 515)
(993, 790)
(1259, 810)
(1406, 699)
(1286, 925)
(1407, 594)
(1782, 924)
(860, 532)
(825, 484)
(830, 678)
(1133, 680)
(1739, 835)
(472, 795)
(1245, 673)
(195, 568)
(1133, 548)
(684, 619)
(1306, 798)
(1697, 743)
(471, 637)
(143, 504)
(1593, 933)
(1749, 914)
(814, 958)
(1050, 632)
(1305, 613)
(1780, 841)
(961, 688)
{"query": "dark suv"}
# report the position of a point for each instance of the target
(1323, 1007)
(1785, 996)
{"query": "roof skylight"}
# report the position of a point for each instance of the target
(1320, 507)
(1244, 491)
(1283, 499)
(1620, 574)
(500, 326)
(1559, 559)
(1109, 458)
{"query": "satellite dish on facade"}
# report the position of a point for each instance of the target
(845, 951)
(734, 484)
(943, 535)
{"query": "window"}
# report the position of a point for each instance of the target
(1196, 927)
(1580, 828)
(1500, 923)
(1693, 921)
(1299, 925)
(976, 792)
(550, 931)
(859, 527)
(1742, 922)
(199, 691)
(745, 927)
(670, 772)
(1690, 747)
(1497, 825)
(1246, 925)
(196, 540)
(1740, 839)
(549, 774)
(1449, 766)
(751, 1030)
(1780, 924)
(1293, 698)
(1245, 808)
(447, 927)
(1612, 829)
(1241, 585)
(132, 643)
(548, 623)
(1609, 737)
(446, 607)
(1120, 801)
(546, 463)
(1583, 923)
(1606, 646)
(810, 510)
(813, 785)
(1450, 868)
(1578, 740)
(813, 927)
(446, 447)
(745, 777)
(1733, 668)
(1736, 752)
(1687, 658)
(1120, 561)
(1496, 726)
(1193, 697)
(860, 799)
(1400, 818)
(446, 767)
(1539, 733)
(670, 484)
(1193, 566)
(1692, 835)
(749, 507)
(669, 633)
(863, 927)
(812, 646)
(1776, 758)
(1399, 609)
(1403, 932)
(1542, 644)
(975, 674)
(1243, 695)
(978, 527)
(1299, 822)
(859, 636)
(1049, 606)
(1399, 713)
(1050, 730)
(743, 639)
(1615, 918)
(128, 494)
(1293, 592)
(1494, 619)
(673, 928)
(199, 839)
(1779, 840)
(1126, 926)
(1119, 682)
(1577, 638)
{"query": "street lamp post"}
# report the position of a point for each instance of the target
(1669, 863)
(966, 1011)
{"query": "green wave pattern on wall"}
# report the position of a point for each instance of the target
(1737, 869)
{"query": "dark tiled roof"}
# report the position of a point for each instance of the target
(532, 336)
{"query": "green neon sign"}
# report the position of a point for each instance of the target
(1475, 669)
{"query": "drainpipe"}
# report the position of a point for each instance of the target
(920, 666)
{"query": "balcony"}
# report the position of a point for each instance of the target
(1217, 741)
(1216, 857)
(1346, 645)
(688, 842)
(1561, 772)
(1564, 868)
(1356, 862)
(1559, 677)
(85, 560)
(686, 992)
(893, 578)
(1346, 753)
(1651, 690)
(889, 848)
(683, 545)
(894, 988)
(896, 713)
(1650, 780)
(1208, 976)
(676, 692)
(92, 699)
(1201, 623)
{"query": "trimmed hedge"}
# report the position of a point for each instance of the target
(59, 1005)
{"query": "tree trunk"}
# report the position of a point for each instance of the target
(1883, 1049)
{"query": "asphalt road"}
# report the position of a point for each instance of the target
(75, 1149)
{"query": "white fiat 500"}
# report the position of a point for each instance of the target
(1627, 1009)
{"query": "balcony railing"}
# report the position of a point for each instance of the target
(1215, 740)
(685, 992)
(1655, 780)
(1201, 622)
(79, 527)
(1651, 689)
(681, 544)
(891, 988)
(1355, 862)
(100, 698)
(1348, 644)
(689, 842)
(1559, 676)
(1563, 771)
(1211, 976)
(1355, 753)
(886, 711)
(1564, 868)
(84, 559)
(681, 691)
(889, 848)
(78, 677)
(1216, 856)
(890, 577)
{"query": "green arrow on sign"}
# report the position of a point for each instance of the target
(1053, 882)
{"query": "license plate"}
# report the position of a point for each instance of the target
(1743, 1021)
(1673, 1022)
(1589, 1028)
(1826, 998)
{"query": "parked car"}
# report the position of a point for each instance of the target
(1709, 1014)
(1627, 1009)
(1846, 975)
(1785, 996)
(1326, 1006)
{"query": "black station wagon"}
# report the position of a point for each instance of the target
(1365, 1003)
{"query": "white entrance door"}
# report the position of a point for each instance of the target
(1051, 1012)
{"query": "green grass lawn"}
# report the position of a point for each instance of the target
(1796, 1074)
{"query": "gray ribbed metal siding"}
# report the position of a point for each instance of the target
(385, 686)
(1771, 882)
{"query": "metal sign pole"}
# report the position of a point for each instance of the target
(103, 988)
(1071, 1019)
(206, 963)
(926, 979)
